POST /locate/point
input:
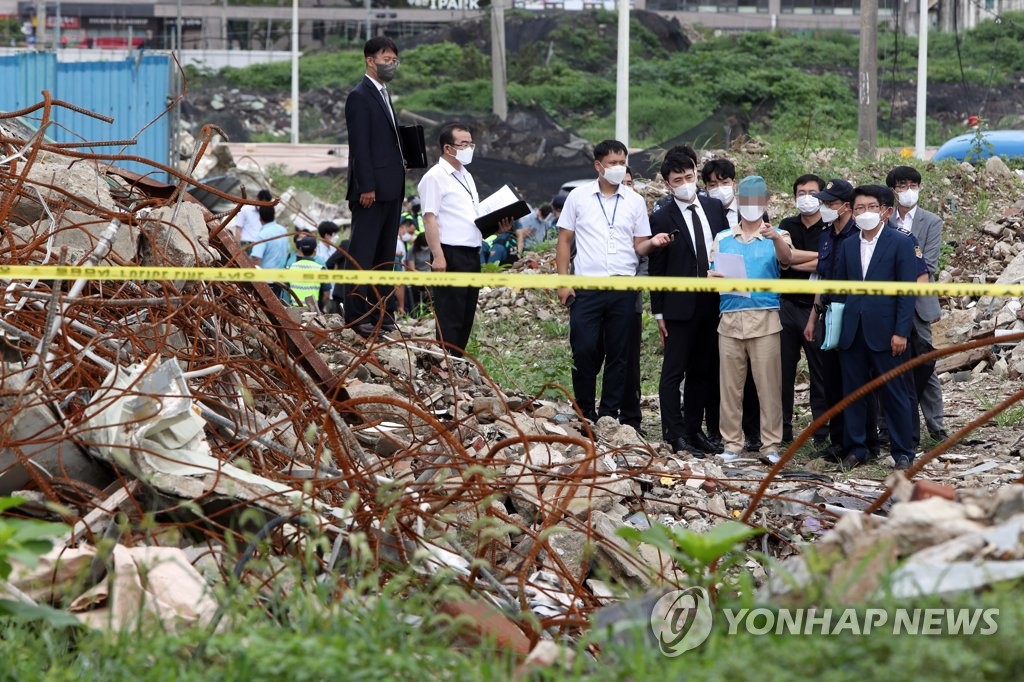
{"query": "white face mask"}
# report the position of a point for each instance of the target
(686, 192)
(908, 198)
(807, 205)
(615, 174)
(407, 237)
(751, 213)
(464, 156)
(868, 220)
(723, 193)
(829, 215)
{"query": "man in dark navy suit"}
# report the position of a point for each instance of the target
(688, 321)
(376, 184)
(876, 328)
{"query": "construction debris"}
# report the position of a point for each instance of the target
(207, 410)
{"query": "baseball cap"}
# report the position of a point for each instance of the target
(836, 189)
(305, 243)
(752, 186)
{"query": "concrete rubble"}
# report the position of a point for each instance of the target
(208, 405)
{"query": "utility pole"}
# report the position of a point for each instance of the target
(867, 86)
(622, 77)
(922, 82)
(295, 71)
(40, 24)
(499, 75)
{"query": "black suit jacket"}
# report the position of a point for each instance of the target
(679, 259)
(375, 161)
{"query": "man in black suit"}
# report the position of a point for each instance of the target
(376, 184)
(875, 329)
(687, 321)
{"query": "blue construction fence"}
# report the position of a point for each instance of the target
(134, 92)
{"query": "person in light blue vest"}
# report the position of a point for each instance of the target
(306, 260)
(749, 327)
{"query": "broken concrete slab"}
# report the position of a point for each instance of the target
(176, 236)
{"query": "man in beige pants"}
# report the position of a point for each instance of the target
(749, 327)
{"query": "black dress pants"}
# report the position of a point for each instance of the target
(372, 246)
(794, 318)
(455, 307)
(599, 329)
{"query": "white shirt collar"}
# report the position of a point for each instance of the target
(683, 205)
(380, 86)
(909, 218)
(871, 241)
(448, 167)
(620, 189)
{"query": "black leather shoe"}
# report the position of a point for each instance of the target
(939, 435)
(852, 462)
(787, 435)
(716, 442)
(698, 441)
(752, 445)
(833, 453)
(681, 445)
(902, 463)
(365, 330)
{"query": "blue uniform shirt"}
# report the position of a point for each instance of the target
(828, 248)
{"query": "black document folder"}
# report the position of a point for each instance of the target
(504, 203)
(414, 148)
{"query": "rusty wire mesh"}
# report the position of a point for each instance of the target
(435, 479)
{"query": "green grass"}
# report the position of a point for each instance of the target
(328, 189)
(399, 636)
(798, 86)
(522, 353)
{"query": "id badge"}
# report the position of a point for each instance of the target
(611, 246)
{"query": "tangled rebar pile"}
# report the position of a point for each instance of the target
(202, 406)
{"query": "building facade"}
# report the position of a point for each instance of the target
(213, 24)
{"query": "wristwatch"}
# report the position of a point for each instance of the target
(819, 308)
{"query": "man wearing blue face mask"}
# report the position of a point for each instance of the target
(608, 223)
(376, 184)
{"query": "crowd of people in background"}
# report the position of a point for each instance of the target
(729, 368)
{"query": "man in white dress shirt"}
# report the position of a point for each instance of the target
(608, 222)
(449, 201)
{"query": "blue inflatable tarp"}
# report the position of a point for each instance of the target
(1004, 143)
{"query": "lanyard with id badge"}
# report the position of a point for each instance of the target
(611, 223)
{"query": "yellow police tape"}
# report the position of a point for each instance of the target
(514, 281)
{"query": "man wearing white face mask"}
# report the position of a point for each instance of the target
(719, 178)
(876, 329)
(926, 227)
(687, 320)
(805, 230)
(835, 214)
(449, 200)
(608, 223)
(748, 331)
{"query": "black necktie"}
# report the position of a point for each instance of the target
(698, 242)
